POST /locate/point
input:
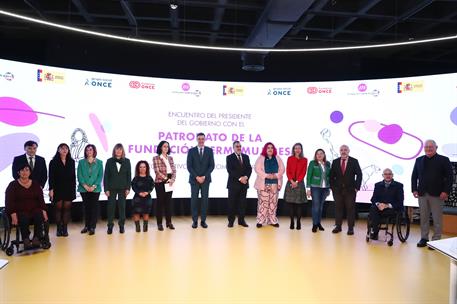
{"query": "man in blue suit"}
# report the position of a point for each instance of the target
(388, 197)
(37, 163)
(200, 164)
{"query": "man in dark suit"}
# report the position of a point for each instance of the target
(387, 199)
(239, 170)
(37, 163)
(345, 181)
(200, 164)
(431, 183)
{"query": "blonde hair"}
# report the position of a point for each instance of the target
(119, 146)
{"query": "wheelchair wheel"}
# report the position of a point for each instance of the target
(46, 245)
(390, 242)
(4, 230)
(403, 226)
(9, 251)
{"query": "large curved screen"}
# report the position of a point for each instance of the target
(384, 122)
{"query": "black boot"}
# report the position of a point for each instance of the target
(314, 228)
(64, 230)
(59, 229)
(298, 223)
(292, 224)
(110, 229)
(121, 229)
(145, 226)
(137, 226)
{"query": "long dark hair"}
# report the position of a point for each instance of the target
(137, 168)
(57, 155)
(315, 156)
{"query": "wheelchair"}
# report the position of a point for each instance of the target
(398, 222)
(10, 246)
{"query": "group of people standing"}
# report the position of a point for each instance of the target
(431, 183)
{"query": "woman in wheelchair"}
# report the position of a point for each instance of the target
(25, 204)
(387, 200)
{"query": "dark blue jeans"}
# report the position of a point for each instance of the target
(195, 189)
(318, 198)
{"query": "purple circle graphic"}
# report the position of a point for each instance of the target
(185, 86)
(454, 116)
(336, 117)
(390, 134)
(362, 87)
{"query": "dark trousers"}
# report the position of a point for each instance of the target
(111, 206)
(236, 203)
(164, 203)
(24, 221)
(91, 208)
(345, 200)
(295, 211)
(195, 189)
(376, 215)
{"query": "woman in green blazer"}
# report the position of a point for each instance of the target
(117, 181)
(90, 174)
(318, 182)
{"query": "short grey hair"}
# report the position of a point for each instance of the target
(430, 141)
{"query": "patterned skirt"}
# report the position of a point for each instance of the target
(295, 195)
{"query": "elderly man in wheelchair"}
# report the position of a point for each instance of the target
(387, 205)
(25, 205)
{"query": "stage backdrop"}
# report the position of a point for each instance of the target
(384, 122)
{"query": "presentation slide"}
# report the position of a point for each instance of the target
(384, 122)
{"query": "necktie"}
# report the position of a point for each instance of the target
(343, 166)
(31, 162)
(201, 153)
(240, 160)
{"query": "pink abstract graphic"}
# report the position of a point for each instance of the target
(99, 130)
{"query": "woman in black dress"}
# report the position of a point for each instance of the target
(62, 186)
(142, 185)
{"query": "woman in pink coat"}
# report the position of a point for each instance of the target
(270, 169)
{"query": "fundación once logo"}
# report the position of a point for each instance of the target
(316, 90)
(8, 76)
(411, 86)
(134, 84)
(99, 83)
(280, 92)
(48, 76)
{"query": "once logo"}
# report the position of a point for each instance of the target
(312, 90)
(134, 84)
(362, 87)
(185, 87)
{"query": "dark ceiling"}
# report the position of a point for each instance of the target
(251, 23)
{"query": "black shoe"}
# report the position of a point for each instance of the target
(243, 223)
(320, 227)
(422, 243)
(160, 227)
(59, 230)
(314, 228)
(27, 244)
(85, 230)
(110, 230)
(194, 225)
(230, 225)
(298, 225)
(145, 226)
(137, 226)
(170, 226)
(204, 225)
(350, 232)
(91, 231)
(374, 236)
(336, 229)
(292, 225)
(64, 230)
(121, 229)
(258, 225)
(275, 225)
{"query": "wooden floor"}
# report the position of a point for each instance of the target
(221, 265)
